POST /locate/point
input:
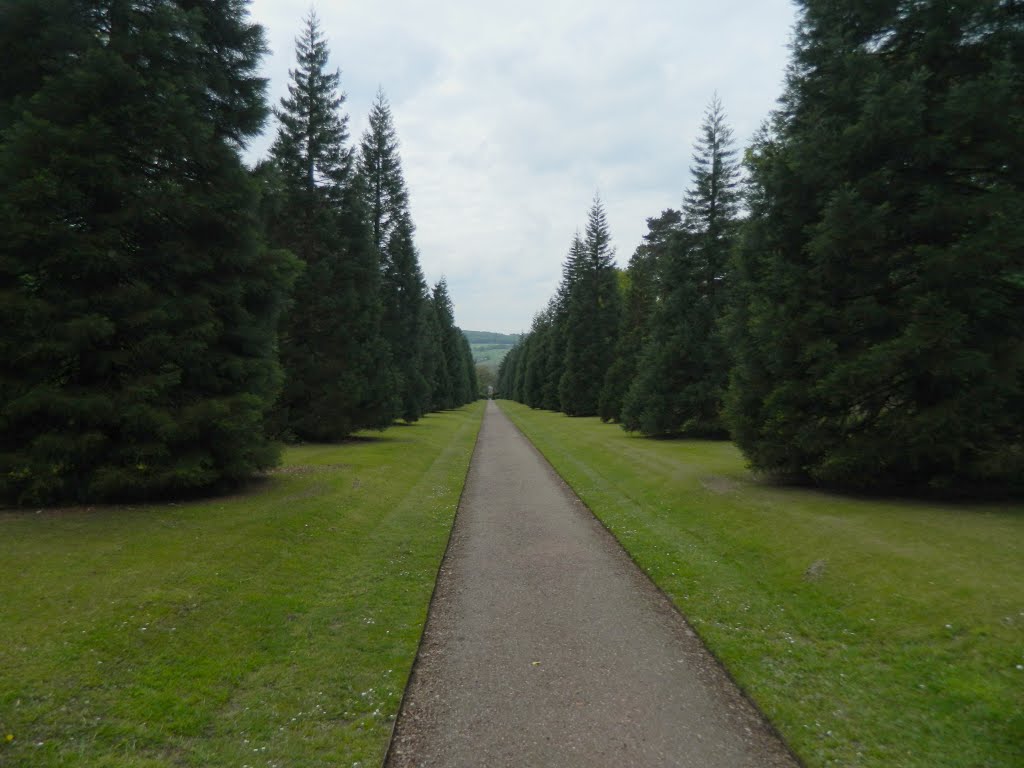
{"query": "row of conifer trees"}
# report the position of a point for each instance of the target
(168, 314)
(851, 309)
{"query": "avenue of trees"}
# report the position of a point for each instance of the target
(850, 310)
(170, 315)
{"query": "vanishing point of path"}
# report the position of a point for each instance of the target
(547, 646)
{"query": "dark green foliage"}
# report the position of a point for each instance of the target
(878, 326)
(138, 303)
(448, 372)
(338, 376)
(512, 371)
(536, 353)
(683, 372)
(471, 385)
(507, 373)
(310, 147)
(558, 309)
(538, 363)
(592, 319)
(402, 285)
(519, 373)
(641, 299)
(554, 359)
(380, 166)
(403, 297)
(431, 352)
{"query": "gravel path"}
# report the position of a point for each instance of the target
(547, 646)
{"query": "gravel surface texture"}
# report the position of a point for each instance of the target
(547, 646)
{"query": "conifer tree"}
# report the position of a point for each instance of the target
(553, 356)
(404, 329)
(683, 371)
(641, 300)
(387, 201)
(380, 166)
(337, 365)
(310, 147)
(448, 363)
(536, 351)
(519, 372)
(879, 339)
(592, 320)
(471, 386)
(551, 398)
(138, 303)
(431, 352)
(507, 373)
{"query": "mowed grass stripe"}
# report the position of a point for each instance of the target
(871, 632)
(274, 627)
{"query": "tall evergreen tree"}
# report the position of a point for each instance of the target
(403, 290)
(380, 165)
(387, 201)
(592, 321)
(448, 364)
(431, 353)
(138, 303)
(337, 365)
(519, 371)
(471, 386)
(641, 300)
(683, 371)
(536, 353)
(559, 311)
(507, 372)
(311, 144)
(880, 337)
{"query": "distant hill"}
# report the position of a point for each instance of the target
(489, 337)
(488, 347)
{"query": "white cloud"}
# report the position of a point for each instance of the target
(511, 116)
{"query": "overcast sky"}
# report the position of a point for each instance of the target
(512, 116)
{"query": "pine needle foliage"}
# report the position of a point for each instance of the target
(448, 366)
(403, 290)
(386, 201)
(338, 374)
(643, 286)
(879, 335)
(683, 371)
(380, 165)
(311, 144)
(138, 302)
(592, 318)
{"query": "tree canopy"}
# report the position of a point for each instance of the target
(167, 311)
(880, 335)
(138, 302)
(850, 314)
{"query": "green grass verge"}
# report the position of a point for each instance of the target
(870, 632)
(273, 628)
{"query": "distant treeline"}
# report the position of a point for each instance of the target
(489, 337)
(851, 309)
(169, 315)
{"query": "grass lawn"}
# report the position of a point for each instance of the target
(871, 632)
(276, 627)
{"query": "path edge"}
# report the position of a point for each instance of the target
(671, 603)
(433, 591)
